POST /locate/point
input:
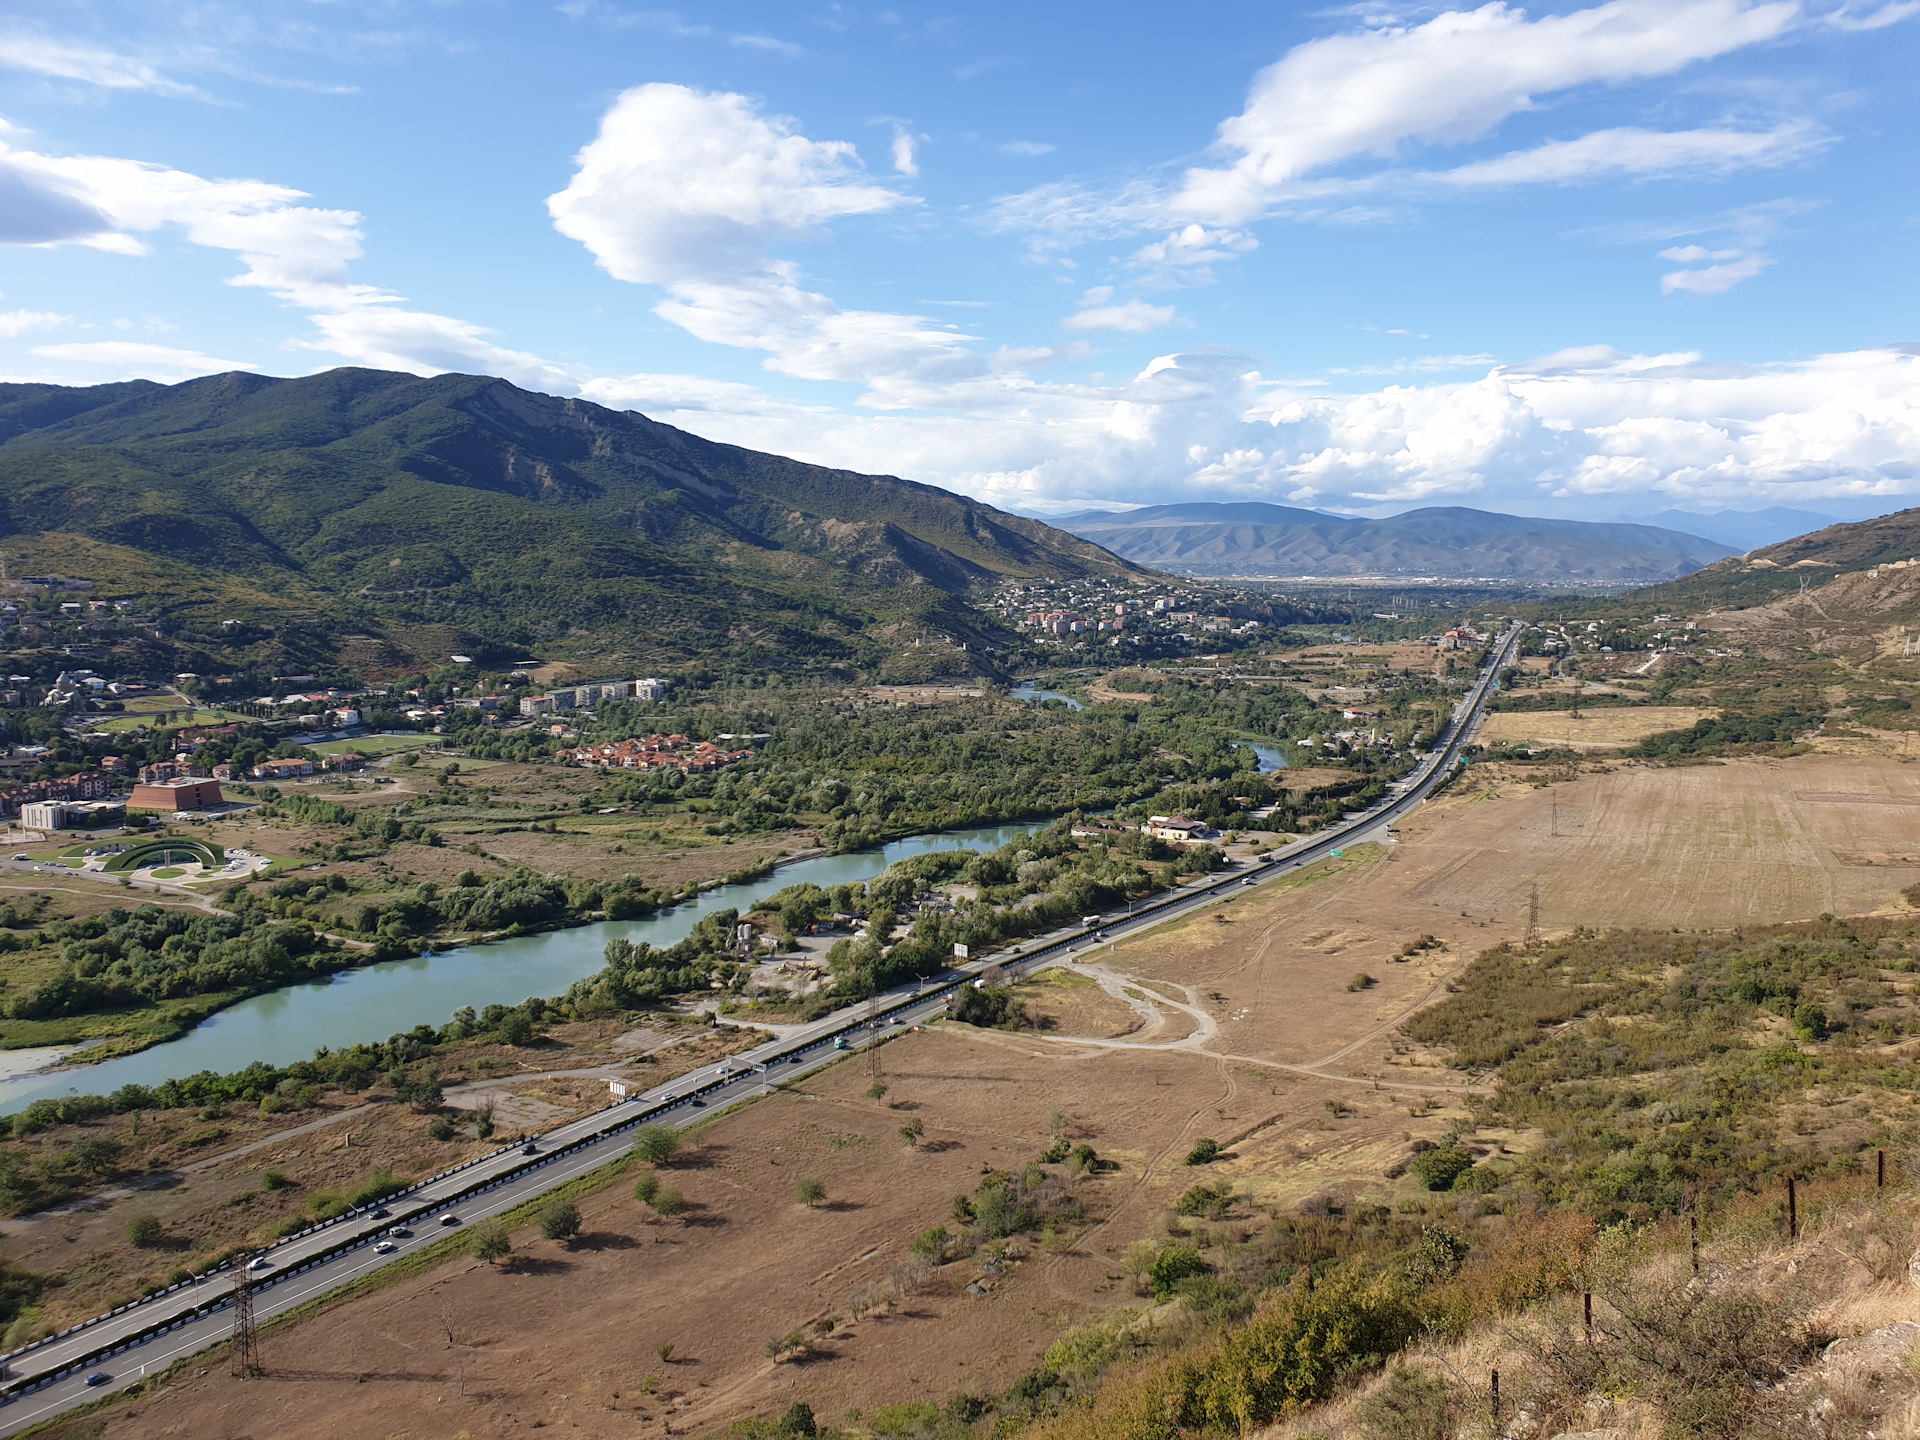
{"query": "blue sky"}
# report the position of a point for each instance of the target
(1567, 259)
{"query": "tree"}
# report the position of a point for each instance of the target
(1204, 1152)
(560, 1220)
(656, 1143)
(95, 1154)
(145, 1231)
(646, 1187)
(516, 1029)
(877, 1090)
(668, 1202)
(798, 1423)
(489, 1242)
(912, 1131)
(810, 1192)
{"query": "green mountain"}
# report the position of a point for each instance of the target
(392, 520)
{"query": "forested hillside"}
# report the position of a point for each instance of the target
(422, 516)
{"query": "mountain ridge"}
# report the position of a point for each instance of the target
(1450, 542)
(416, 509)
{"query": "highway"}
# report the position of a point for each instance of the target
(44, 1379)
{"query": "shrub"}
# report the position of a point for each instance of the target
(145, 1231)
(657, 1144)
(1441, 1167)
(1204, 1152)
(1362, 981)
(667, 1202)
(1173, 1264)
(912, 1131)
(646, 1188)
(1208, 1200)
(489, 1242)
(931, 1245)
(1412, 1405)
(440, 1129)
(809, 1192)
(877, 1090)
(560, 1220)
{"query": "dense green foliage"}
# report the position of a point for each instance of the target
(120, 959)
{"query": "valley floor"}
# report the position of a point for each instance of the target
(1268, 1024)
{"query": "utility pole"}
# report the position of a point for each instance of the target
(873, 1044)
(246, 1345)
(1533, 917)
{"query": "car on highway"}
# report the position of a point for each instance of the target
(379, 1212)
(23, 857)
(449, 1219)
(97, 1379)
(262, 1263)
(529, 1148)
(385, 1247)
(400, 1232)
(798, 1059)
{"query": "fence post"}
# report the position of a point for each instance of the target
(1586, 1308)
(1793, 1211)
(1496, 1397)
(1879, 1169)
(1693, 1229)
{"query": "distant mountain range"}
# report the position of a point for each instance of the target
(1744, 530)
(403, 519)
(1250, 539)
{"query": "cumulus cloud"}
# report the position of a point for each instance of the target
(691, 191)
(684, 185)
(902, 150)
(18, 322)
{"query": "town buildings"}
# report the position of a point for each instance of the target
(168, 796)
(656, 752)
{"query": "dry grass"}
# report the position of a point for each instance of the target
(1592, 731)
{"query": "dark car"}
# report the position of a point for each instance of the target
(379, 1212)
(529, 1148)
(449, 1219)
(98, 1377)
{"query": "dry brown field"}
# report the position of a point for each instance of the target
(1241, 1024)
(1606, 728)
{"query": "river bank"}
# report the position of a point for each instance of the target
(374, 1001)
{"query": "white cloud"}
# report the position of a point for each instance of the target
(903, 161)
(18, 322)
(131, 358)
(1641, 154)
(1028, 148)
(38, 54)
(297, 253)
(685, 185)
(1714, 279)
(1450, 80)
(1133, 317)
